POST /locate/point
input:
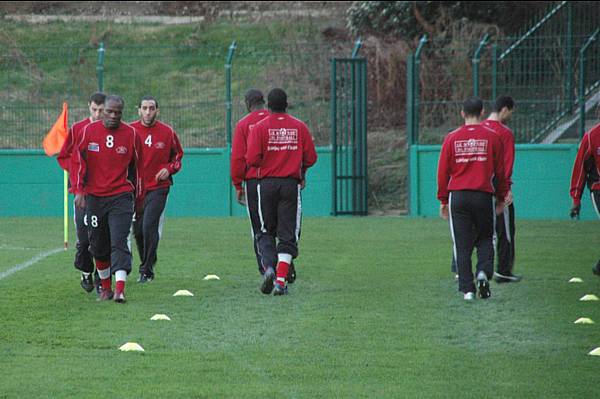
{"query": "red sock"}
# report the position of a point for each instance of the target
(282, 272)
(101, 266)
(120, 286)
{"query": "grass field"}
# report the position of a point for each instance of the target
(374, 314)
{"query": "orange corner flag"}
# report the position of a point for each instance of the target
(56, 137)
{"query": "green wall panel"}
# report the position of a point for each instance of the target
(31, 184)
(541, 180)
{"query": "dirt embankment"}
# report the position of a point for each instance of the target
(172, 11)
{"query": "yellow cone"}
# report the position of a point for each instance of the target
(211, 277)
(590, 297)
(575, 280)
(183, 293)
(160, 317)
(584, 320)
(595, 352)
(131, 346)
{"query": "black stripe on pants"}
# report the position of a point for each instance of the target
(472, 225)
(505, 234)
(109, 223)
(83, 259)
(279, 211)
(146, 228)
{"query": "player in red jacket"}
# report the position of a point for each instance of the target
(108, 185)
(162, 154)
(586, 169)
(502, 110)
(243, 177)
(83, 259)
(281, 149)
(470, 158)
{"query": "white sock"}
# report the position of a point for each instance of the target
(287, 258)
(120, 275)
(86, 275)
(104, 274)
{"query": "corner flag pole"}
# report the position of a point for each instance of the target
(66, 210)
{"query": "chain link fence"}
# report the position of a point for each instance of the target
(190, 83)
(301, 69)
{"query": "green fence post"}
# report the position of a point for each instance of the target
(412, 113)
(410, 120)
(476, 61)
(357, 46)
(494, 71)
(410, 99)
(228, 106)
(100, 67)
(364, 138)
(569, 69)
(333, 137)
(416, 115)
(582, 77)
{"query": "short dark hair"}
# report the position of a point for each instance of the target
(115, 98)
(148, 98)
(472, 106)
(277, 100)
(98, 98)
(254, 97)
(503, 101)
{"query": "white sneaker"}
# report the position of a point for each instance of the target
(469, 296)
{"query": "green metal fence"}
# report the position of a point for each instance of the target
(439, 78)
(349, 136)
(188, 82)
(34, 82)
(200, 89)
(589, 82)
(542, 69)
(302, 69)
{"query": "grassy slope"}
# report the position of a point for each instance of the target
(374, 313)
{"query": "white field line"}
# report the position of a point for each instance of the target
(30, 262)
(17, 248)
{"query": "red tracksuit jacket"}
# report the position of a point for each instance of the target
(508, 146)
(589, 150)
(281, 146)
(160, 149)
(64, 157)
(240, 171)
(470, 158)
(102, 161)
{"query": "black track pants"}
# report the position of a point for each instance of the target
(505, 234)
(147, 228)
(280, 217)
(83, 258)
(109, 223)
(472, 219)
